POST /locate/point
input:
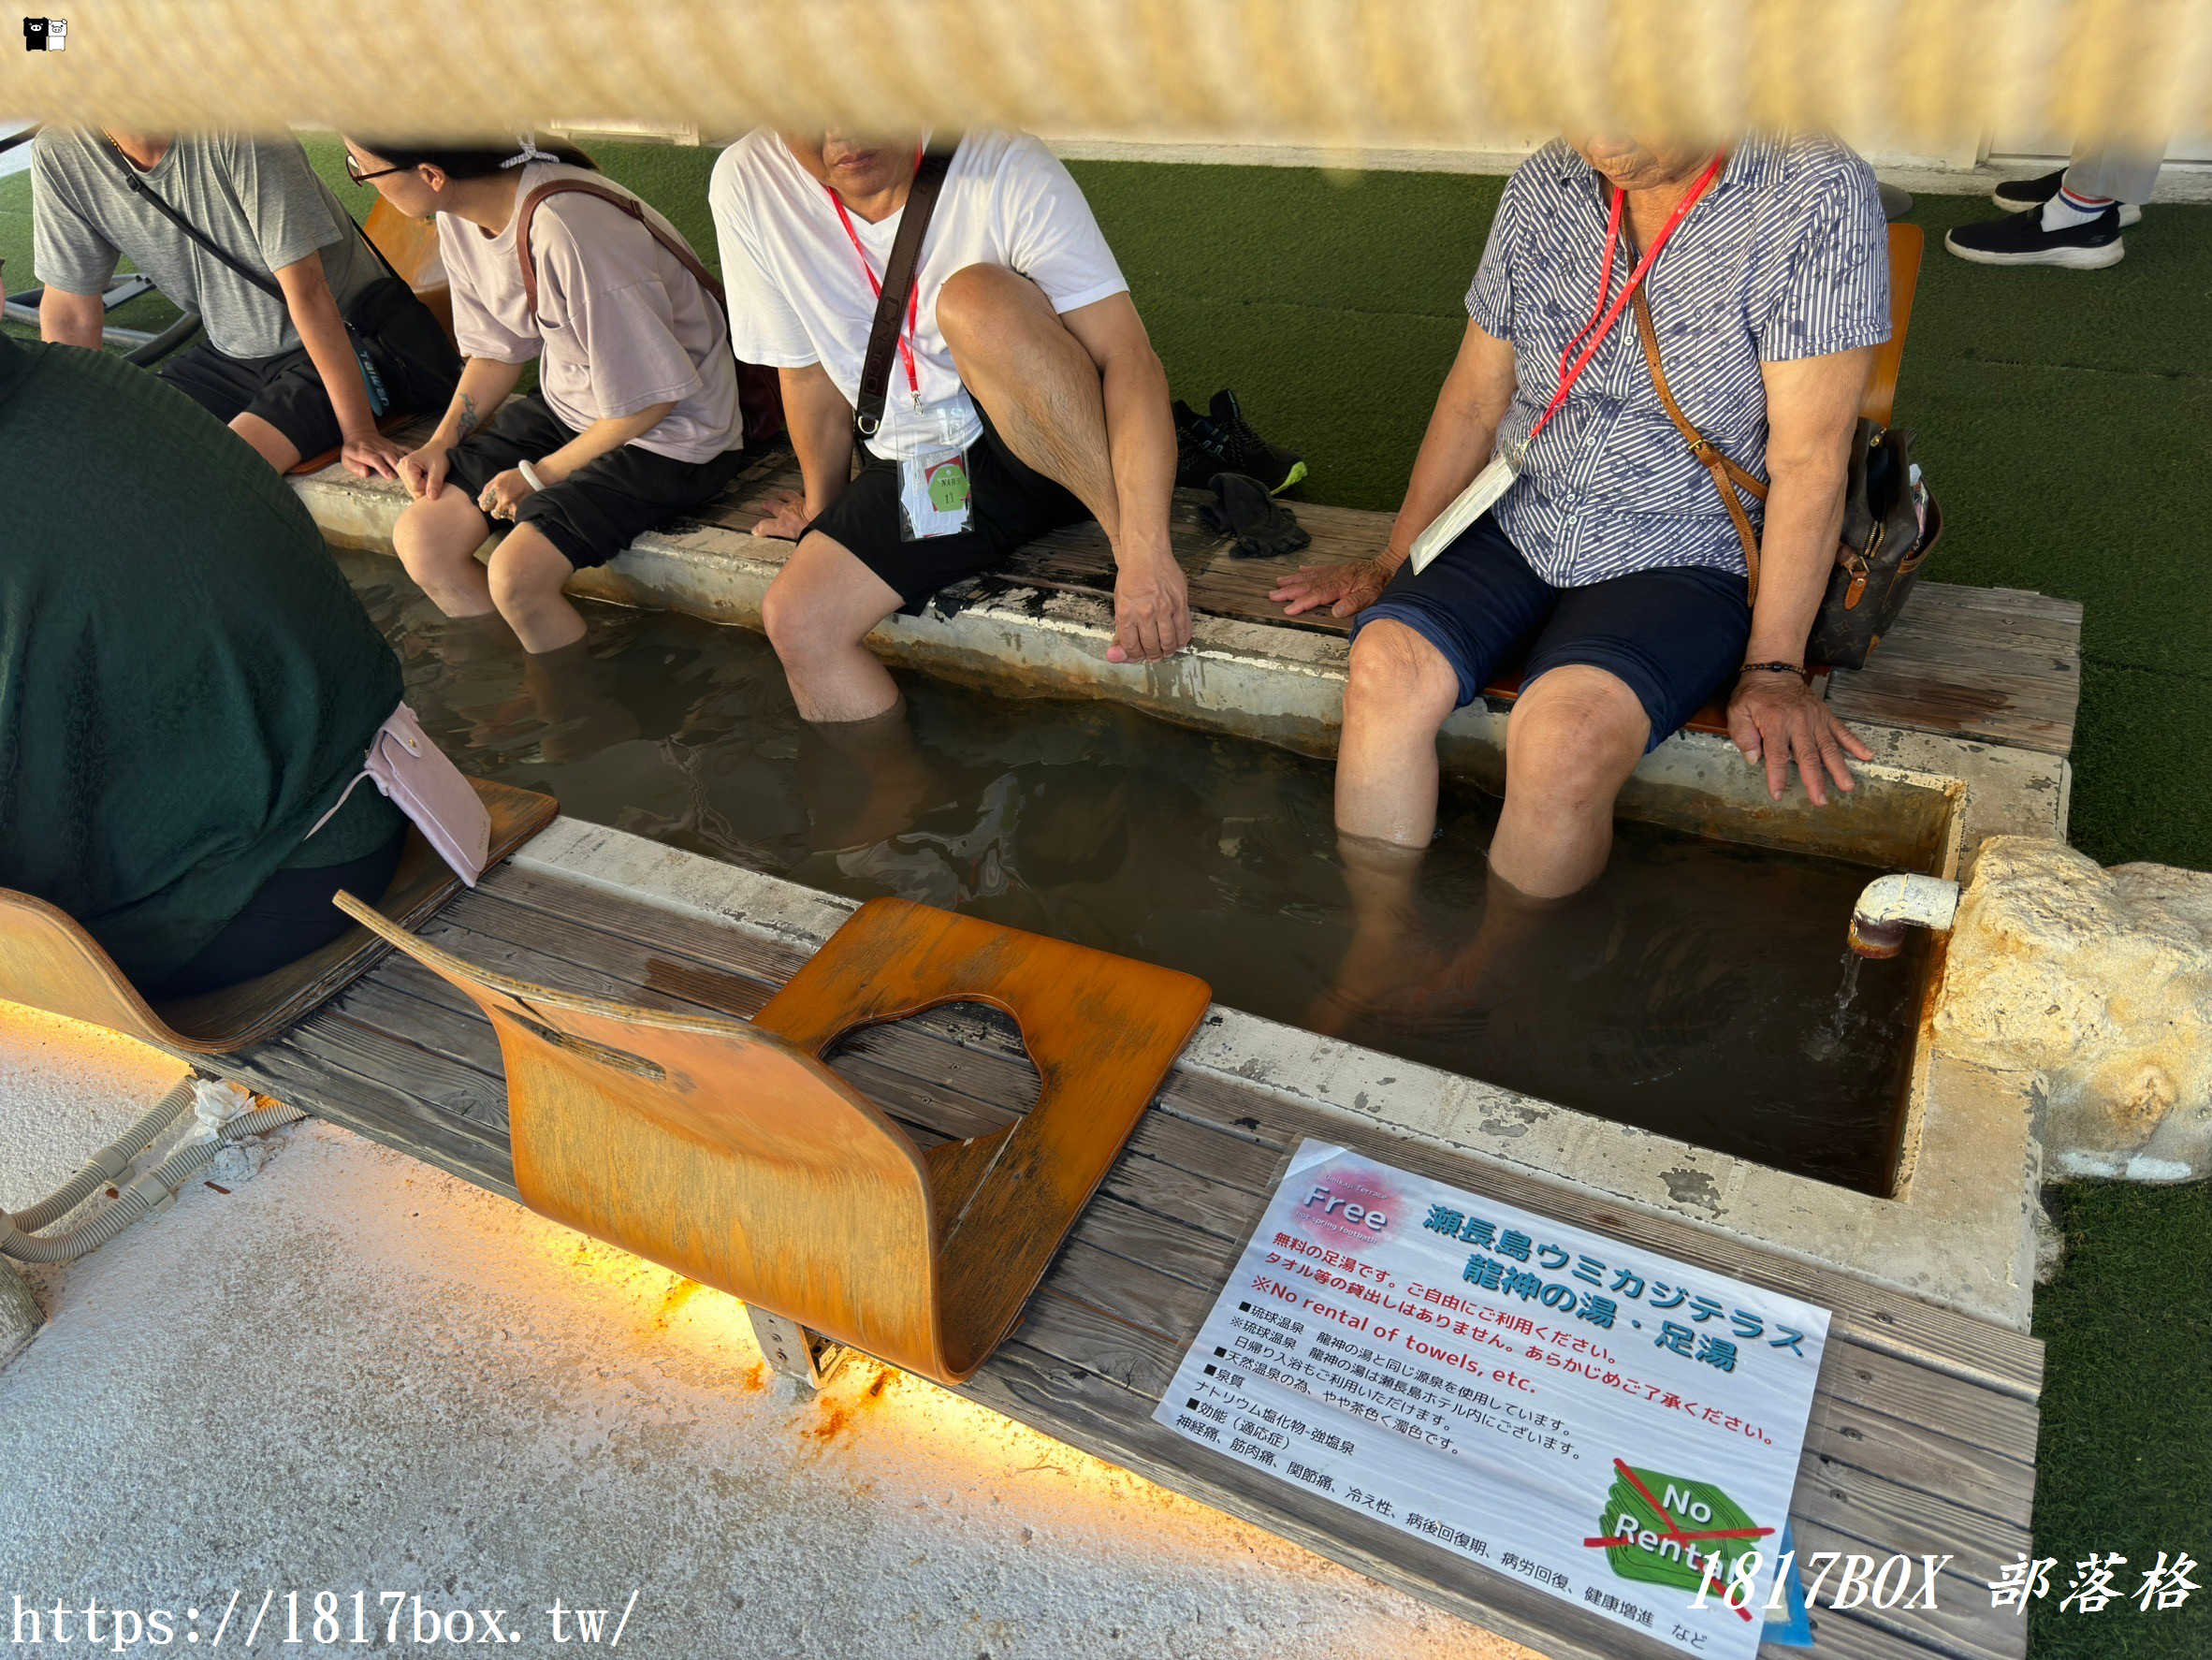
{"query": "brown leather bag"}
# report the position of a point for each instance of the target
(760, 390)
(1883, 544)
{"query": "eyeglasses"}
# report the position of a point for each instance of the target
(352, 170)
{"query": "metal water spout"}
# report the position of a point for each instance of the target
(1892, 904)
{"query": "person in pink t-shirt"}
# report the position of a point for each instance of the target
(636, 417)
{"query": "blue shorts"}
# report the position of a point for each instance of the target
(1675, 637)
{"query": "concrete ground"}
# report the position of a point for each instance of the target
(354, 1373)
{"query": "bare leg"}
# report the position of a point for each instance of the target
(526, 578)
(1387, 953)
(269, 443)
(864, 781)
(1489, 968)
(817, 613)
(581, 717)
(1399, 690)
(436, 539)
(1037, 380)
(1575, 737)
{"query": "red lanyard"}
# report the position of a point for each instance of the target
(906, 350)
(1602, 318)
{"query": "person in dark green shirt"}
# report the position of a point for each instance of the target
(186, 682)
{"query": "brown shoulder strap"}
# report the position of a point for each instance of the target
(1727, 477)
(622, 200)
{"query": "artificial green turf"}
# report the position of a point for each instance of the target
(2127, 1415)
(2063, 418)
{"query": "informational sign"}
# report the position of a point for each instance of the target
(1615, 1427)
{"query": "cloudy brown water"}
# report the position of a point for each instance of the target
(1700, 989)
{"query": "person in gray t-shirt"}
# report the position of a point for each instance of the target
(282, 372)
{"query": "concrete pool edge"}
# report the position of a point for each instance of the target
(1959, 1233)
(1926, 802)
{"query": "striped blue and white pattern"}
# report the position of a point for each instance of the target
(1786, 256)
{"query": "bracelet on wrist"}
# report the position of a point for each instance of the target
(1775, 668)
(530, 475)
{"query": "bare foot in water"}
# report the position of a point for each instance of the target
(1390, 957)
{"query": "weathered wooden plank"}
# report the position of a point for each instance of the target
(2027, 681)
(1914, 711)
(1864, 1511)
(1141, 1194)
(1952, 637)
(1080, 1405)
(1997, 664)
(473, 1100)
(1907, 1326)
(1987, 661)
(2023, 606)
(1197, 1252)
(1083, 1410)
(1155, 1315)
(1845, 1637)
(1903, 1325)
(1889, 1520)
(302, 1076)
(412, 1002)
(1917, 1455)
(1961, 640)
(1880, 1475)
(1121, 1241)
(1962, 1623)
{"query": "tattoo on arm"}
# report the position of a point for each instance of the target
(469, 416)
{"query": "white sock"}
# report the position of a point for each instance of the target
(2066, 210)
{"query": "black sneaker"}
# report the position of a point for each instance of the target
(2022, 239)
(2016, 194)
(1224, 441)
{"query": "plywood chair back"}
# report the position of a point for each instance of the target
(1906, 243)
(48, 961)
(728, 1151)
(411, 247)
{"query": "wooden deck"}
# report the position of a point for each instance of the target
(1923, 1436)
(1999, 665)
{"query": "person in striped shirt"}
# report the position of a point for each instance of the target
(1609, 566)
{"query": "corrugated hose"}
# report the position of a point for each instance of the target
(150, 1189)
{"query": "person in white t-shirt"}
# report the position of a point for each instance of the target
(1024, 362)
(636, 417)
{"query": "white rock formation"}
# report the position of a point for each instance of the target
(2098, 984)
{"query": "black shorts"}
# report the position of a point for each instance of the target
(1675, 635)
(1011, 503)
(601, 508)
(417, 364)
(290, 915)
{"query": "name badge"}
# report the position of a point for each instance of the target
(1470, 504)
(934, 490)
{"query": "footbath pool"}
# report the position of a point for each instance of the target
(1700, 989)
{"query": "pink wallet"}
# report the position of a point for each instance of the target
(424, 784)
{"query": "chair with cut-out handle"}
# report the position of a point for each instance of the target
(728, 1151)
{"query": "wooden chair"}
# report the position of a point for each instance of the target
(410, 246)
(1906, 242)
(728, 1151)
(49, 962)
